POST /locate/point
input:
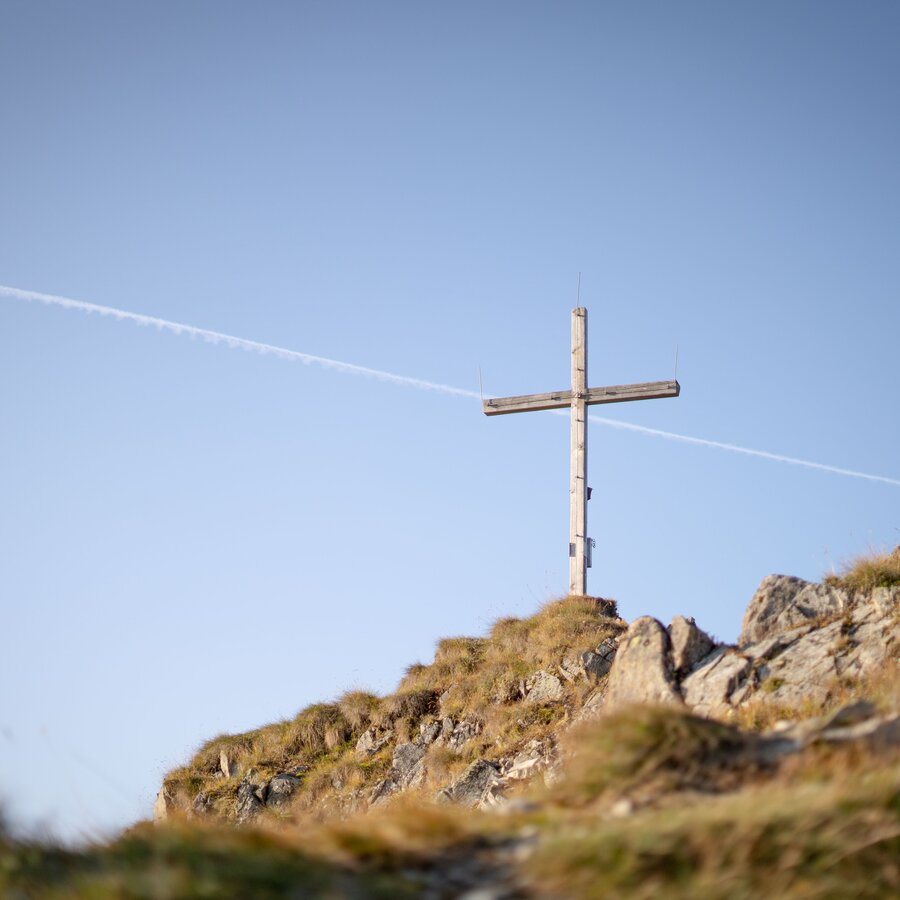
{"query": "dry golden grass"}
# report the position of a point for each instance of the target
(403, 833)
(442, 765)
(871, 570)
(653, 749)
(358, 708)
(206, 759)
(408, 705)
(567, 627)
(476, 679)
(318, 728)
(835, 839)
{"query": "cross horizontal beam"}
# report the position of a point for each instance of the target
(649, 390)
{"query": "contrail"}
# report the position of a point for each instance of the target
(217, 337)
(734, 448)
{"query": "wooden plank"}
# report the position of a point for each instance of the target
(578, 454)
(650, 390)
(500, 406)
(619, 393)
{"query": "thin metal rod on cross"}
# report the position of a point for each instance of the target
(578, 399)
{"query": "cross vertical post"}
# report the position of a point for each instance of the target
(578, 450)
(577, 400)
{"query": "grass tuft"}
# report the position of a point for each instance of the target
(317, 729)
(647, 748)
(802, 840)
(869, 571)
(358, 708)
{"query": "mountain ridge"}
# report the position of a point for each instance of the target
(566, 755)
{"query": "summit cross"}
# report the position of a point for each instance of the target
(578, 399)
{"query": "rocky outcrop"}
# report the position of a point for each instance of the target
(689, 643)
(162, 805)
(373, 739)
(543, 687)
(228, 766)
(250, 801)
(474, 786)
(856, 723)
(642, 671)
(536, 756)
(712, 685)
(799, 642)
(782, 602)
(281, 789)
(455, 735)
(597, 663)
(407, 769)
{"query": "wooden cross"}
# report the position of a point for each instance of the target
(578, 399)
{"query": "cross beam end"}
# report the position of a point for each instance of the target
(649, 390)
(501, 406)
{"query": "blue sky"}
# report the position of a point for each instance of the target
(198, 539)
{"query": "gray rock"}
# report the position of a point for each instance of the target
(461, 733)
(442, 703)
(382, 790)
(543, 687)
(854, 723)
(804, 671)
(877, 734)
(571, 668)
(429, 731)
(770, 647)
(877, 605)
(162, 805)
(641, 672)
(873, 634)
(787, 657)
(281, 789)
(868, 646)
(407, 768)
(782, 602)
(472, 787)
(593, 706)
(709, 688)
(488, 892)
(249, 805)
(227, 765)
(372, 740)
(851, 714)
(406, 756)
(536, 756)
(201, 806)
(690, 644)
(597, 663)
